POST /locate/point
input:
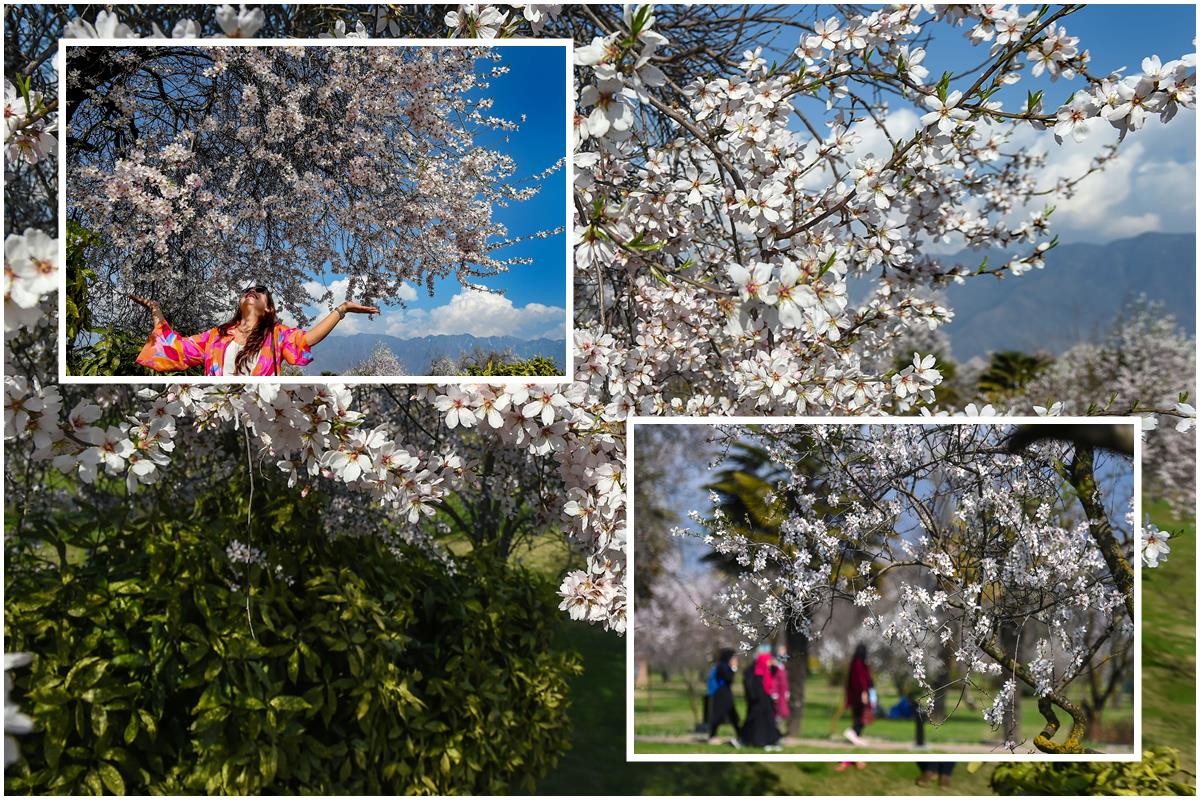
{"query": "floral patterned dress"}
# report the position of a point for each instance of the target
(167, 351)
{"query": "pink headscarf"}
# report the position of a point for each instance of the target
(762, 667)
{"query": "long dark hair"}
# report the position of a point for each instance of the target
(254, 342)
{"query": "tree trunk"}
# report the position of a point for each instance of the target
(1011, 723)
(642, 680)
(797, 673)
(691, 693)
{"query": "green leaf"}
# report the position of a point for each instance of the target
(293, 665)
(364, 705)
(148, 721)
(828, 265)
(112, 779)
(86, 672)
(93, 783)
(99, 720)
(943, 86)
(288, 702)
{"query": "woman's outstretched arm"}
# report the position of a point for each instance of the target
(165, 350)
(322, 328)
(152, 306)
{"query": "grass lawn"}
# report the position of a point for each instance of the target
(596, 764)
(665, 710)
(1169, 642)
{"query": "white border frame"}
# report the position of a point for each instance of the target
(170, 378)
(1135, 753)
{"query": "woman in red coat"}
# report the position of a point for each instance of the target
(858, 690)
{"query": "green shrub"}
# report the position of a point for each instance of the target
(1158, 773)
(159, 668)
(536, 366)
(93, 349)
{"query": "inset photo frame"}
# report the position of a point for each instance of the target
(315, 210)
(900, 589)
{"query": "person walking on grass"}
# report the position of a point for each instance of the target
(759, 729)
(720, 696)
(859, 686)
(252, 343)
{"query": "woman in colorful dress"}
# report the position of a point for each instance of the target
(252, 343)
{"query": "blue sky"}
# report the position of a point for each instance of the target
(534, 300)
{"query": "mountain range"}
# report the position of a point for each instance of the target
(1076, 298)
(340, 354)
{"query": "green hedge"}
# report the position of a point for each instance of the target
(372, 673)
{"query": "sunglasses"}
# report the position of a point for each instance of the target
(259, 289)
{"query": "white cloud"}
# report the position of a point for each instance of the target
(1127, 225)
(472, 311)
(900, 124)
(478, 313)
(1149, 186)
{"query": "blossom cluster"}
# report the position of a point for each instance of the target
(200, 201)
(716, 253)
(1145, 365)
(736, 239)
(953, 538)
(31, 271)
(28, 122)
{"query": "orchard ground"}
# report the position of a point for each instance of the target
(596, 763)
(664, 719)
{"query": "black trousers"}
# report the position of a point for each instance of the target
(858, 710)
(731, 717)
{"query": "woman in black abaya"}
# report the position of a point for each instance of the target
(720, 696)
(759, 729)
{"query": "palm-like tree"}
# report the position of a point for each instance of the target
(1009, 371)
(745, 492)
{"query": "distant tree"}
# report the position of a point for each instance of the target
(382, 361)
(1010, 371)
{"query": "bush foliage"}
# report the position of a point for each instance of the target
(94, 349)
(161, 667)
(538, 365)
(1158, 773)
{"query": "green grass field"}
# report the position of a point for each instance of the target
(1169, 642)
(665, 710)
(596, 764)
